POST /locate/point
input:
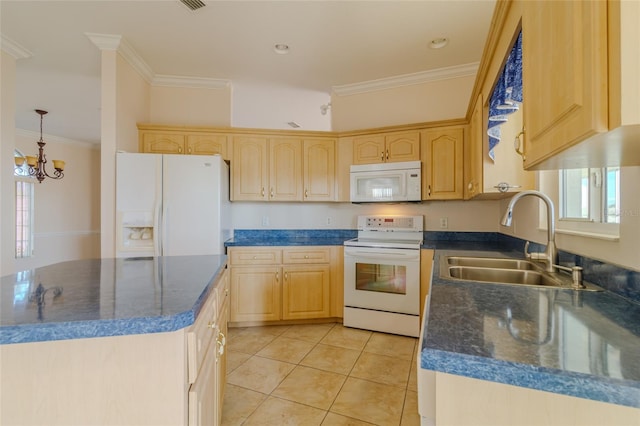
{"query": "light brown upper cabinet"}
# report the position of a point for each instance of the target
(176, 140)
(565, 75)
(267, 169)
(161, 143)
(581, 67)
(283, 169)
(386, 148)
(442, 163)
(206, 144)
(319, 169)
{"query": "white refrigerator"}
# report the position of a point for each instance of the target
(171, 205)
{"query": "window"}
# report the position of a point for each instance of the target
(590, 200)
(24, 210)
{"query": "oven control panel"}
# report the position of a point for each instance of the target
(391, 223)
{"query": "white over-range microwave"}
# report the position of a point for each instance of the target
(386, 182)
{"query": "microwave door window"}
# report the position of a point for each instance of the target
(381, 278)
(380, 188)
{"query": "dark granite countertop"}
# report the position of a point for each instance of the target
(583, 344)
(105, 297)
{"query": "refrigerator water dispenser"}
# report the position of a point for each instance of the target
(136, 231)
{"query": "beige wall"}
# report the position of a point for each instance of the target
(462, 215)
(432, 101)
(67, 212)
(132, 105)
(190, 106)
(272, 107)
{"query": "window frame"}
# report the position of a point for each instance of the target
(24, 210)
(595, 224)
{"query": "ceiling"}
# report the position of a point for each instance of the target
(331, 43)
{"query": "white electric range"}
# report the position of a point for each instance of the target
(382, 275)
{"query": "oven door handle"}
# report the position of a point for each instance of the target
(380, 255)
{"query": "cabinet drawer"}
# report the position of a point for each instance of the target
(199, 336)
(307, 255)
(257, 256)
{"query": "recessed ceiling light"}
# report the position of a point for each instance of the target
(439, 43)
(281, 48)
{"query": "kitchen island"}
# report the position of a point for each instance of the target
(507, 354)
(110, 341)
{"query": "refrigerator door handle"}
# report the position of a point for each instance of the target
(157, 236)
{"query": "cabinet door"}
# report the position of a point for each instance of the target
(402, 147)
(202, 394)
(368, 149)
(473, 152)
(255, 293)
(199, 337)
(319, 167)
(306, 292)
(249, 169)
(161, 143)
(207, 144)
(285, 169)
(564, 58)
(442, 164)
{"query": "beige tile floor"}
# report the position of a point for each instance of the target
(323, 374)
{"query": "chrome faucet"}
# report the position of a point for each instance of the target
(550, 255)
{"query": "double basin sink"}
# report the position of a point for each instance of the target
(505, 271)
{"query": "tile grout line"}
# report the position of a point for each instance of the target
(346, 376)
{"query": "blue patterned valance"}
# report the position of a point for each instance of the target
(507, 95)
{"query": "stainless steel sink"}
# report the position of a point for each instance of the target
(490, 262)
(495, 275)
(498, 270)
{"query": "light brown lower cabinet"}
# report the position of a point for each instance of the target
(206, 394)
(285, 283)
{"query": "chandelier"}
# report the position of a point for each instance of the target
(37, 164)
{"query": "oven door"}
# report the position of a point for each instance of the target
(383, 279)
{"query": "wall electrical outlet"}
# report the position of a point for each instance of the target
(329, 220)
(444, 223)
(265, 220)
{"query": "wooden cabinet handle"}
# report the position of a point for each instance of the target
(387, 154)
(262, 192)
(306, 193)
(277, 276)
(429, 190)
(190, 150)
(271, 193)
(180, 150)
(382, 156)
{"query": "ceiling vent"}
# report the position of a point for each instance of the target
(193, 4)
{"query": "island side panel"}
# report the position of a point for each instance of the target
(123, 380)
(464, 400)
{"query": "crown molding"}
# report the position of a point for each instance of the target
(55, 139)
(190, 82)
(407, 79)
(120, 44)
(14, 49)
(105, 41)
